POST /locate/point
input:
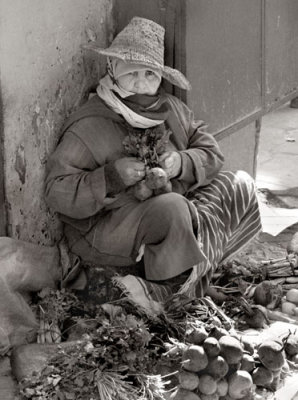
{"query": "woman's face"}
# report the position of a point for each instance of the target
(144, 81)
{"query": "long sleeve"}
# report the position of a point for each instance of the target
(201, 156)
(75, 185)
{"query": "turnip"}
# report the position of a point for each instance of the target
(183, 394)
(188, 380)
(196, 334)
(217, 367)
(211, 346)
(194, 358)
(247, 345)
(222, 387)
(262, 376)
(247, 362)
(213, 396)
(291, 346)
(292, 296)
(156, 178)
(142, 191)
(167, 188)
(207, 384)
(288, 308)
(230, 349)
(240, 384)
(272, 355)
(218, 332)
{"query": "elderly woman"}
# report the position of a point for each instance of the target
(183, 227)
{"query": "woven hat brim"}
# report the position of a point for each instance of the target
(172, 75)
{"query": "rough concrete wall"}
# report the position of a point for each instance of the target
(44, 75)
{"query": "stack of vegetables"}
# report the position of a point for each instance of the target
(217, 364)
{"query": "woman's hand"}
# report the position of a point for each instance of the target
(171, 162)
(130, 169)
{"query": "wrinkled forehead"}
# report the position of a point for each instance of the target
(121, 68)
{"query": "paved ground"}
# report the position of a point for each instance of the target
(277, 164)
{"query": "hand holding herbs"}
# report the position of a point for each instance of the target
(147, 146)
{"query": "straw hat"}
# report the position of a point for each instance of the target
(142, 42)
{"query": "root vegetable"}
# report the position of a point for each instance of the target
(291, 346)
(230, 349)
(272, 355)
(196, 335)
(247, 363)
(294, 359)
(247, 345)
(288, 308)
(156, 178)
(240, 384)
(222, 387)
(183, 394)
(211, 346)
(188, 380)
(262, 376)
(218, 332)
(217, 367)
(292, 296)
(167, 188)
(207, 384)
(213, 396)
(194, 358)
(142, 191)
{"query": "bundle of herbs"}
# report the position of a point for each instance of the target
(114, 359)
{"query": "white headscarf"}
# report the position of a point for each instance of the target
(108, 85)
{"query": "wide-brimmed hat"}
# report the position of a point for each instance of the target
(142, 42)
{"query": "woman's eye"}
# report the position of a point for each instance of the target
(150, 73)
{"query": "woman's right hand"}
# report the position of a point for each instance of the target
(130, 169)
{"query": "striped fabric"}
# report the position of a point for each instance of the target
(228, 218)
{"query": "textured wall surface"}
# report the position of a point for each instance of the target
(44, 75)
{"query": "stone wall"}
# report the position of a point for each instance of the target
(44, 76)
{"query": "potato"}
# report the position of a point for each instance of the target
(288, 308)
(156, 178)
(217, 367)
(230, 349)
(292, 296)
(240, 384)
(207, 384)
(183, 394)
(211, 346)
(247, 362)
(194, 358)
(262, 376)
(291, 346)
(196, 334)
(271, 354)
(188, 380)
(222, 387)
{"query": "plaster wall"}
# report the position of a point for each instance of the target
(44, 74)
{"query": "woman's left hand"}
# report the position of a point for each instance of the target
(171, 162)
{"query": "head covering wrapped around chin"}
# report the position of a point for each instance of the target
(117, 68)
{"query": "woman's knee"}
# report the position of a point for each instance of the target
(171, 205)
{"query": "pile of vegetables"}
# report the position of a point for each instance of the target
(217, 364)
(191, 352)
